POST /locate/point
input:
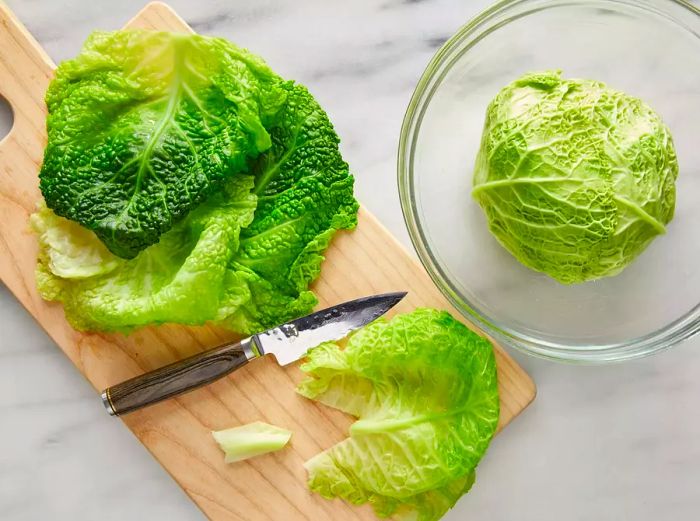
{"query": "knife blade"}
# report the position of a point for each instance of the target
(287, 343)
(291, 341)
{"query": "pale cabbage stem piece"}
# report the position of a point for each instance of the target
(250, 440)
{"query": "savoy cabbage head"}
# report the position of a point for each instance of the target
(575, 178)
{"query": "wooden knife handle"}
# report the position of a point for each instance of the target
(178, 377)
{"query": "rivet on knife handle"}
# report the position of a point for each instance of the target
(177, 377)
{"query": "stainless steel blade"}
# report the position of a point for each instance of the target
(291, 341)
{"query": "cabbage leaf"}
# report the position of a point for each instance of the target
(305, 194)
(423, 388)
(143, 126)
(185, 278)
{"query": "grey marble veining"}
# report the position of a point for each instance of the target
(599, 443)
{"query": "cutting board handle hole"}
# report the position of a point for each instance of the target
(6, 118)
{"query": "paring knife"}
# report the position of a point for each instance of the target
(287, 343)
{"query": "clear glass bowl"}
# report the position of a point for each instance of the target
(647, 48)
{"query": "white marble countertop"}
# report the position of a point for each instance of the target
(599, 443)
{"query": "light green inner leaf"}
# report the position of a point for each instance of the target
(424, 390)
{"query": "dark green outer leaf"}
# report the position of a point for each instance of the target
(143, 126)
(305, 195)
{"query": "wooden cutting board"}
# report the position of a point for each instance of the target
(177, 432)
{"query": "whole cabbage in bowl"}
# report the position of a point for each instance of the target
(575, 178)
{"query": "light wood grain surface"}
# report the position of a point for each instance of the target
(177, 432)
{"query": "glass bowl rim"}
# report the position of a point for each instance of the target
(663, 338)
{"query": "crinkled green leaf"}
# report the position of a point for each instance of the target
(184, 278)
(143, 126)
(305, 195)
(576, 179)
(424, 390)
